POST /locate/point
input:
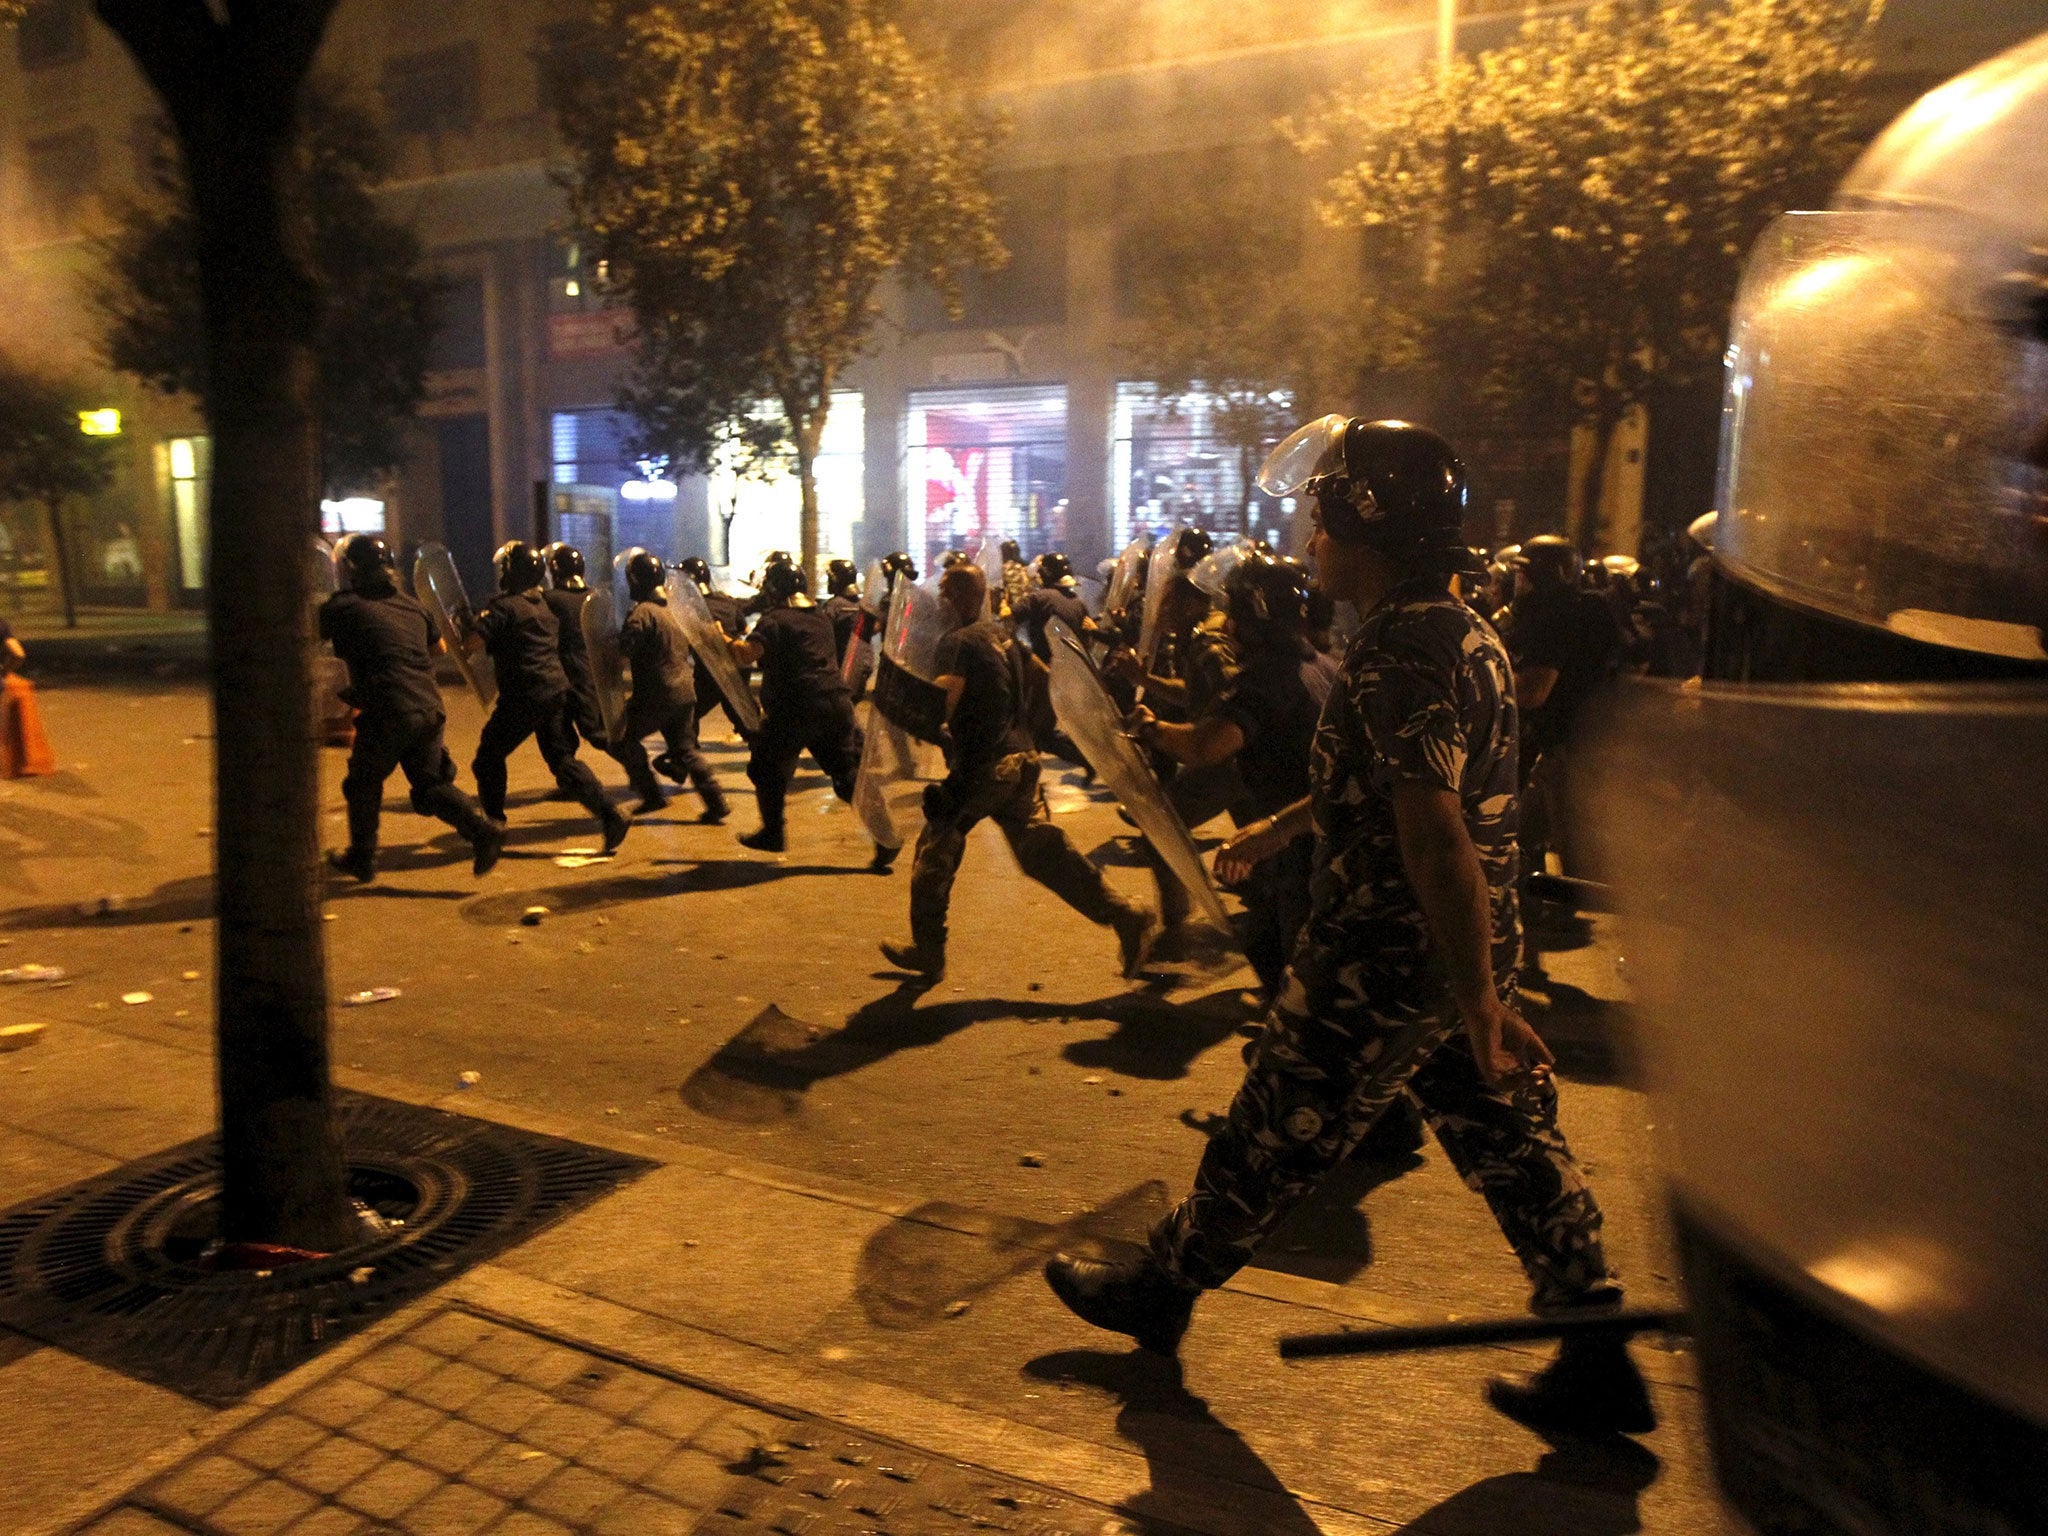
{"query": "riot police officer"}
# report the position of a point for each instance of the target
(993, 773)
(387, 641)
(1404, 978)
(664, 698)
(1057, 596)
(805, 705)
(842, 607)
(518, 629)
(566, 594)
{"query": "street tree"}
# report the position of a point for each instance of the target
(47, 459)
(752, 176)
(1581, 199)
(378, 315)
(1219, 308)
(230, 75)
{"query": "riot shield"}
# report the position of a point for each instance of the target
(894, 766)
(708, 643)
(600, 621)
(438, 586)
(990, 558)
(874, 590)
(1212, 571)
(1123, 582)
(1089, 716)
(1089, 590)
(1164, 568)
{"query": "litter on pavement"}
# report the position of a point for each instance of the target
(27, 973)
(371, 995)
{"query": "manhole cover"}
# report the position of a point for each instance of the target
(107, 1268)
(464, 1423)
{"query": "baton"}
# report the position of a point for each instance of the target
(1493, 1330)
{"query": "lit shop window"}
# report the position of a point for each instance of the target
(189, 462)
(1181, 462)
(352, 514)
(753, 514)
(987, 463)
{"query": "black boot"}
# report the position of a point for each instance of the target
(1591, 1388)
(615, 827)
(1136, 932)
(361, 863)
(1136, 1297)
(766, 840)
(489, 844)
(925, 960)
(884, 858)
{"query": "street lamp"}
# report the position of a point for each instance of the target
(1446, 35)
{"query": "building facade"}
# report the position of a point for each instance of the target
(1024, 418)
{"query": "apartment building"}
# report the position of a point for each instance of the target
(1023, 418)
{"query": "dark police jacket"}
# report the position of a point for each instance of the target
(524, 642)
(656, 649)
(387, 641)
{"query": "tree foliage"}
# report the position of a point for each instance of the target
(752, 175)
(45, 458)
(379, 306)
(1587, 192)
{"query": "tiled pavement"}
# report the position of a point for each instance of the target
(462, 1426)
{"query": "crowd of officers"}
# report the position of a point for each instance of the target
(1370, 737)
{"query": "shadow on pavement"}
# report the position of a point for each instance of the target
(1586, 1487)
(187, 900)
(1588, 1035)
(1187, 1448)
(931, 1263)
(593, 895)
(763, 1072)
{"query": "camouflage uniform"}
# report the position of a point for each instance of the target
(1426, 694)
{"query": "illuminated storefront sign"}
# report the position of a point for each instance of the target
(104, 422)
(987, 463)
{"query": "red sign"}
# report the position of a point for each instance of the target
(588, 333)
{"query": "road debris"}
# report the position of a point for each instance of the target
(533, 917)
(191, 976)
(133, 999)
(14, 1037)
(1031, 1160)
(370, 995)
(957, 1308)
(27, 973)
(469, 1077)
(1091, 1080)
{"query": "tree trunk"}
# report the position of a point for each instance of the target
(808, 436)
(60, 552)
(231, 79)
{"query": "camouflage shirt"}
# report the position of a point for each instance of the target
(1426, 694)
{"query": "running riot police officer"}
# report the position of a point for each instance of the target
(387, 641)
(842, 607)
(664, 698)
(805, 705)
(730, 615)
(566, 594)
(518, 629)
(1404, 977)
(993, 773)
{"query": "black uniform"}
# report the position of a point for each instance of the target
(1042, 604)
(583, 715)
(805, 706)
(993, 772)
(386, 640)
(849, 630)
(663, 701)
(524, 641)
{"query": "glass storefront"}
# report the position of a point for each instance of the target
(187, 469)
(988, 462)
(1172, 463)
(753, 514)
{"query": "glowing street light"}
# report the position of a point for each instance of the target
(104, 422)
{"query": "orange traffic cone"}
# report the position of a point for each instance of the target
(24, 749)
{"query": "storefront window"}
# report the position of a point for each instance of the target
(753, 514)
(189, 466)
(1173, 463)
(988, 463)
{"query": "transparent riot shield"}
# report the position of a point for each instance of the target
(874, 590)
(708, 644)
(438, 586)
(1090, 591)
(1212, 571)
(1088, 715)
(600, 619)
(990, 558)
(894, 766)
(1123, 582)
(1157, 579)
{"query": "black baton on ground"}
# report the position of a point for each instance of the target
(1493, 1330)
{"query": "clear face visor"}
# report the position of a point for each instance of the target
(1313, 452)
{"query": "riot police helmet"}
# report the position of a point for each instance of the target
(645, 575)
(565, 566)
(698, 570)
(1192, 547)
(519, 569)
(841, 577)
(1267, 598)
(898, 563)
(953, 557)
(1012, 554)
(363, 561)
(1391, 486)
(1551, 560)
(1055, 570)
(782, 581)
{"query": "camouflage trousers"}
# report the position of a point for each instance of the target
(1340, 1044)
(1007, 792)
